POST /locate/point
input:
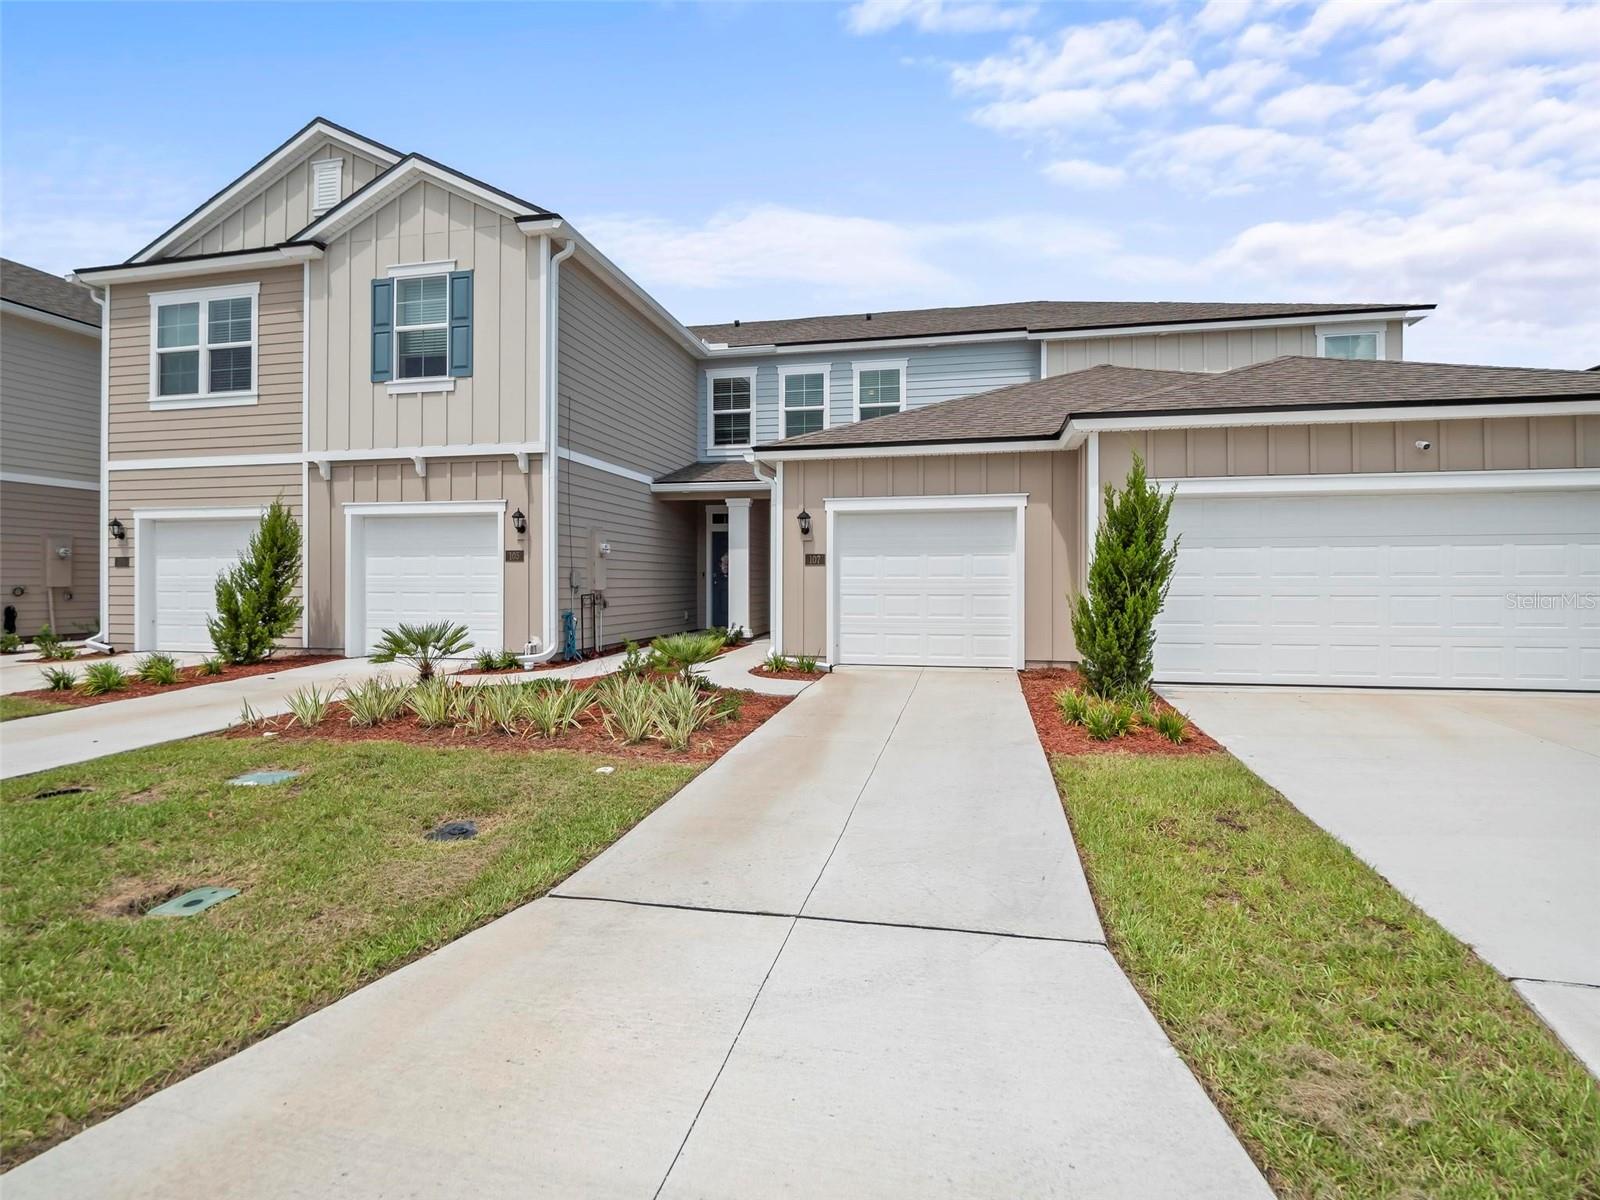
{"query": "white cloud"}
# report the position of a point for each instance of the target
(1309, 104)
(1081, 173)
(937, 16)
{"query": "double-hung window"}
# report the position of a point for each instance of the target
(1344, 342)
(880, 388)
(731, 397)
(421, 326)
(203, 346)
(803, 396)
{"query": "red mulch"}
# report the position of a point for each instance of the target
(1040, 686)
(769, 674)
(590, 737)
(191, 677)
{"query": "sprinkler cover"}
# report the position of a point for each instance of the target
(453, 831)
(193, 902)
(263, 778)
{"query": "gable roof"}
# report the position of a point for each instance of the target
(314, 130)
(46, 293)
(1033, 316)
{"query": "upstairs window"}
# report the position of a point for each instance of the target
(1336, 342)
(730, 409)
(421, 326)
(204, 346)
(804, 396)
(880, 389)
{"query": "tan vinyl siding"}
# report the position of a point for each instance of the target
(31, 515)
(185, 487)
(1492, 444)
(627, 389)
(1219, 350)
(280, 207)
(49, 400)
(398, 482)
(271, 425)
(650, 583)
(1051, 532)
(498, 403)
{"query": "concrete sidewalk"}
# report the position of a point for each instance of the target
(25, 672)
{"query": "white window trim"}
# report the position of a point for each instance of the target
(858, 504)
(407, 387)
(316, 165)
(420, 383)
(407, 270)
(729, 448)
(1324, 332)
(823, 369)
(878, 364)
(144, 562)
(206, 398)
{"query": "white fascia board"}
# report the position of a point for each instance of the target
(409, 171)
(910, 450)
(709, 489)
(276, 256)
(1387, 482)
(888, 343)
(317, 131)
(54, 320)
(1410, 315)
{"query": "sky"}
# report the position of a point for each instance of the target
(758, 160)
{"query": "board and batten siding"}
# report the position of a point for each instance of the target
(33, 516)
(280, 207)
(399, 483)
(1489, 444)
(49, 400)
(933, 374)
(498, 402)
(270, 425)
(1217, 350)
(1050, 479)
(178, 488)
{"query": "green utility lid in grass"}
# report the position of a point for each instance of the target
(263, 778)
(193, 902)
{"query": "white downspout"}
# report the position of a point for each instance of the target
(774, 549)
(100, 643)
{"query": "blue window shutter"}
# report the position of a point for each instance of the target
(460, 323)
(382, 330)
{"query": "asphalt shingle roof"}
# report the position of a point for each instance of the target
(729, 471)
(1033, 316)
(22, 284)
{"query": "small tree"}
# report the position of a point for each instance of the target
(1114, 619)
(256, 604)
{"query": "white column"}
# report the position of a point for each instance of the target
(739, 563)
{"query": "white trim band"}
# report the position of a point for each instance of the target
(79, 485)
(1555, 479)
(600, 464)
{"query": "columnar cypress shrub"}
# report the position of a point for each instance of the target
(1113, 621)
(256, 604)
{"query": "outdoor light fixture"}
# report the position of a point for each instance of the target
(117, 531)
(519, 522)
(805, 523)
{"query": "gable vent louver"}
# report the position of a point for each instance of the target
(327, 185)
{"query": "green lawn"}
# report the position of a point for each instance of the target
(1357, 1048)
(14, 708)
(338, 888)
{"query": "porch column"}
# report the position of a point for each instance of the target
(739, 562)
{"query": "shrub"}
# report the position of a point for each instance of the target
(731, 635)
(1172, 725)
(422, 646)
(683, 653)
(495, 660)
(159, 669)
(681, 709)
(212, 666)
(101, 678)
(554, 710)
(10, 643)
(49, 646)
(1107, 719)
(1144, 708)
(730, 705)
(433, 703)
(256, 603)
(249, 717)
(778, 662)
(502, 706)
(627, 707)
(1113, 621)
(58, 679)
(635, 660)
(374, 702)
(309, 705)
(806, 664)
(1072, 705)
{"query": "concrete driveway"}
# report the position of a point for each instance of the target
(1482, 807)
(855, 957)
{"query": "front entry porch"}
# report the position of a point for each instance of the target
(733, 559)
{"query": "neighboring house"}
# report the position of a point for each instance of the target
(477, 416)
(49, 452)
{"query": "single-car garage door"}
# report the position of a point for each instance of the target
(930, 588)
(179, 561)
(1491, 589)
(420, 567)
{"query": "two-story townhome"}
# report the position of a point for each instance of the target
(477, 416)
(49, 453)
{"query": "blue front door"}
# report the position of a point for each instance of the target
(719, 577)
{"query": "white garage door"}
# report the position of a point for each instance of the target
(1470, 589)
(424, 568)
(927, 588)
(178, 583)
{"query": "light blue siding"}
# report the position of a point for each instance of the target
(934, 374)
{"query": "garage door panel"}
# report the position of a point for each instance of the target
(187, 556)
(419, 568)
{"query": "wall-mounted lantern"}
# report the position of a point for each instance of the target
(118, 533)
(805, 523)
(519, 522)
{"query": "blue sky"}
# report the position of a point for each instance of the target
(758, 160)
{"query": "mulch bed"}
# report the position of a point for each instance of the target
(590, 737)
(190, 677)
(765, 673)
(1039, 688)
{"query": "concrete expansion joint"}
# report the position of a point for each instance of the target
(1577, 983)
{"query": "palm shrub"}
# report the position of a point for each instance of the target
(681, 709)
(59, 679)
(683, 653)
(159, 669)
(1114, 619)
(102, 678)
(256, 604)
(422, 646)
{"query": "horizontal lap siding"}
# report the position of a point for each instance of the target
(271, 425)
(1218, 350)
(235, 487)
(1049, 480)
(32, 515)
(49, 400)
(398, 482)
